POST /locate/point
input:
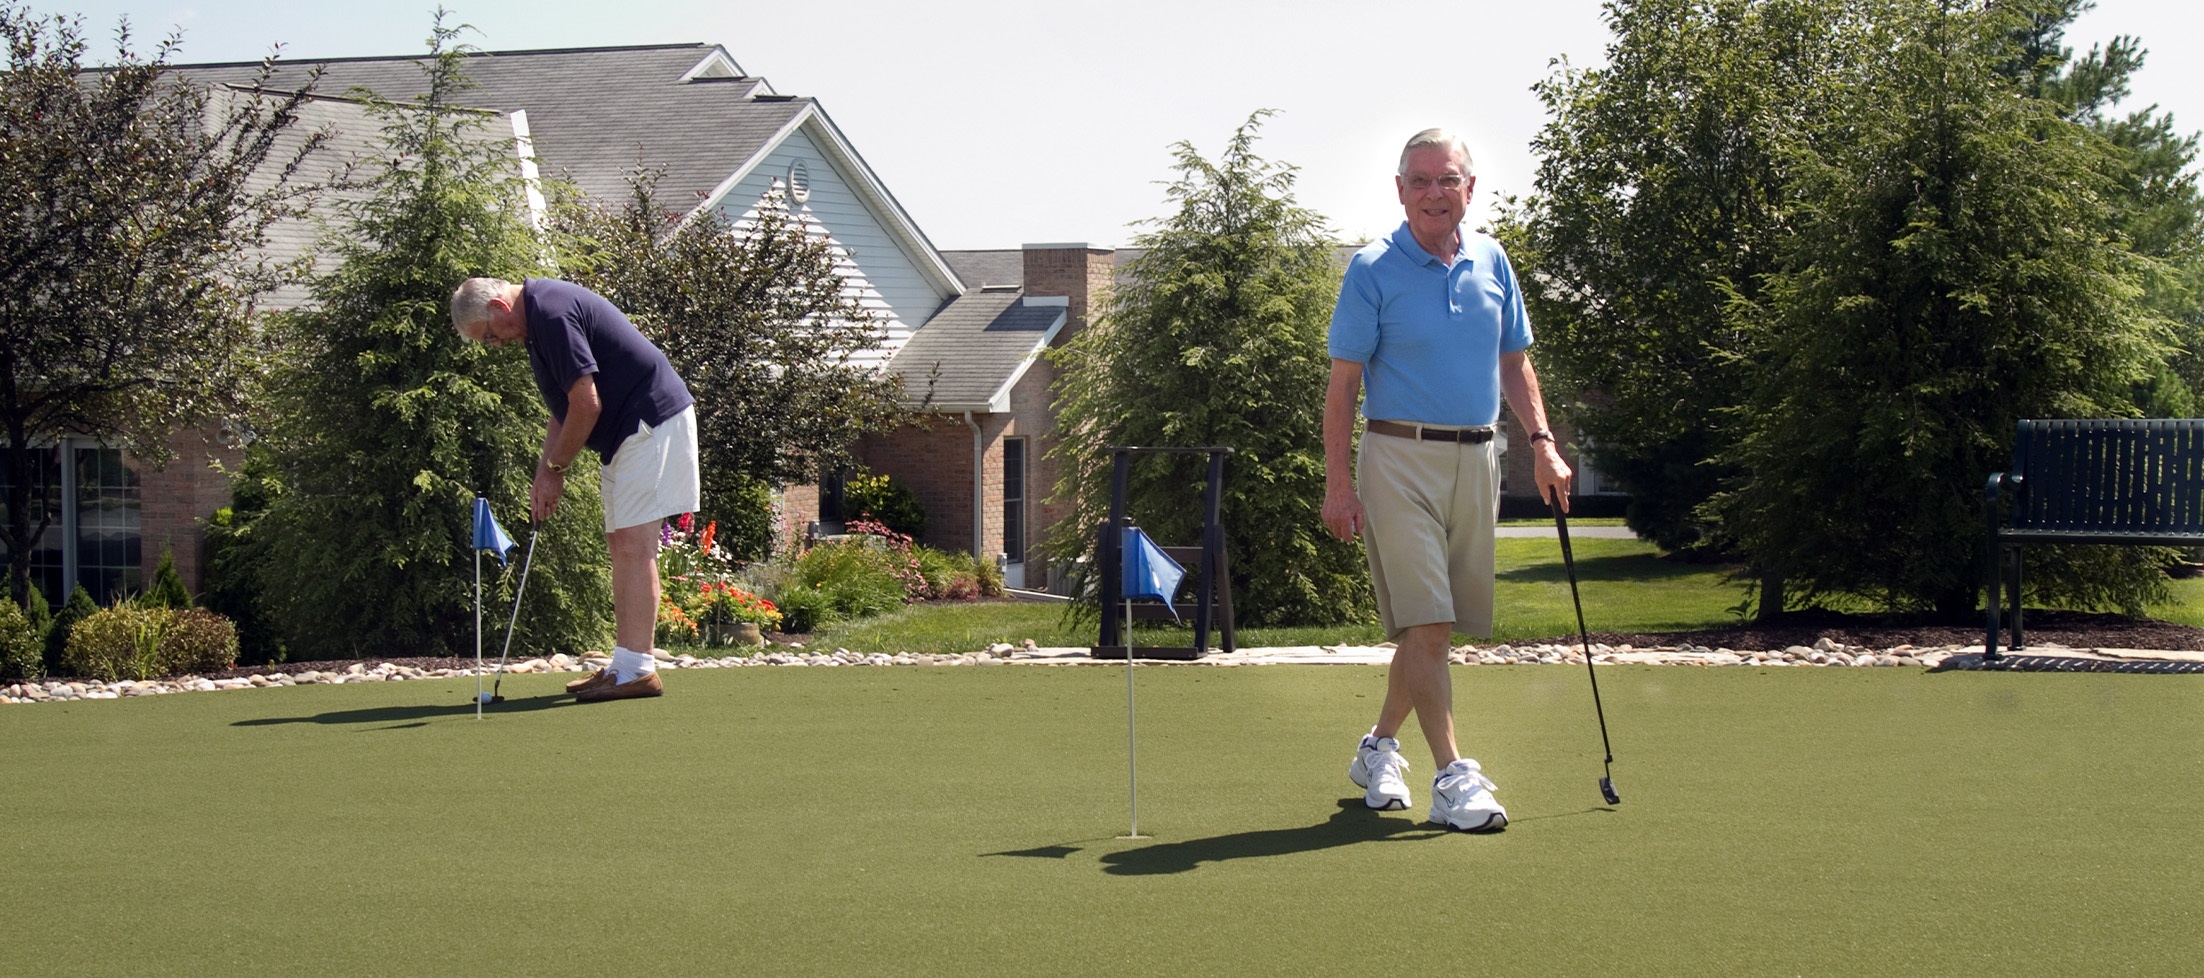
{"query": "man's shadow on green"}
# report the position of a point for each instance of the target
(420, 714)
(1353, 824)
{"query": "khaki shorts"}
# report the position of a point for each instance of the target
(1431, 507)
(653, 475)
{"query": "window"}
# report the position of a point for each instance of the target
(1014, 500)
(94, 536)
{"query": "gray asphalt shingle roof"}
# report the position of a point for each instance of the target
(982, 341)
(592, 112)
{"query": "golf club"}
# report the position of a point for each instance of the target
(1568, 560)
(525, 563)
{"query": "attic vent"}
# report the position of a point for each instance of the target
(799, 182)
(717, 70)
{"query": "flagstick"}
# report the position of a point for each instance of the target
(478, 633)
(1132, 768)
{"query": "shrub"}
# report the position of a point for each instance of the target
(881, 500)
(954, 576)
(79, 607)
(22, 655)
(116, 643)
(132, 641)
(804, 609)
(860, 576)
(197, 641)
(168, 586)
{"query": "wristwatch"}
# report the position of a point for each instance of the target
(554, 466)
(1542, 434)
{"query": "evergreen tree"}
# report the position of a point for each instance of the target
(1661, 191)
(79, 607)
(1959, 267)
(167, 590)
(386, 424)
(1218, 338)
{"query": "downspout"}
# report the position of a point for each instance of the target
(979, 486)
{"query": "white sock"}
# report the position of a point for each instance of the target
(628, 667)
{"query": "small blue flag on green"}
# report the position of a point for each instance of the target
(487, 534)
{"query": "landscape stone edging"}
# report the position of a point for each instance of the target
(1824, 653)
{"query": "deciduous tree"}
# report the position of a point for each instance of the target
(129, 258)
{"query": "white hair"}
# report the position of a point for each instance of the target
(1438, 137)
(471, 302)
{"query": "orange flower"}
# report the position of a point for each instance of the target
(705, 545)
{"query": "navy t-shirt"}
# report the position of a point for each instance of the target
(573, 332)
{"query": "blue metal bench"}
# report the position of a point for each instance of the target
(2127, 482)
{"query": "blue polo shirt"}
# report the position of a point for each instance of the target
(1428, 335)
(572, 332)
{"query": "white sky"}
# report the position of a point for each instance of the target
(998, 123)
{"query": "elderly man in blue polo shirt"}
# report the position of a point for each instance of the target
(1428, 335)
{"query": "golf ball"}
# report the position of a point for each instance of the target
(482, 697)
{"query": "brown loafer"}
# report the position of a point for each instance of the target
(598, 678)
(648, 685)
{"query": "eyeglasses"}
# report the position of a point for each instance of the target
(1451, 183)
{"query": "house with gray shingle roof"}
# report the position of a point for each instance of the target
(970, 353)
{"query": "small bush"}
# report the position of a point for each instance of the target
(957, 576)
(804, 609)
(79, 607)
(130, 641)
(22, 655)
(881, 500)
(198, 641)
(122, 642)
(168, 586)
(860, 576)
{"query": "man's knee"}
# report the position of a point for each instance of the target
(1431, 639)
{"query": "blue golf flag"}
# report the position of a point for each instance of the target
(487, 534)
(1149, 572)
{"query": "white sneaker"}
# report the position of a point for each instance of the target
(1461, 799)
(1377, 769)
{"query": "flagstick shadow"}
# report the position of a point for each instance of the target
(1353, 824)
(422, 712)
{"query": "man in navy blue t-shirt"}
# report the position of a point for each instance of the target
(609, 390)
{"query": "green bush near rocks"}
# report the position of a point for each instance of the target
(22, 651)
(132, 642)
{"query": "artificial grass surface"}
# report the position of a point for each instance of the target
(964, 821)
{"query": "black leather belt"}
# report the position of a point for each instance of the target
(1466, 436)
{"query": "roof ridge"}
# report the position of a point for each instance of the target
(359, 59)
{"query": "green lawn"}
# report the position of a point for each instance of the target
(1627, 587)
(965, 821)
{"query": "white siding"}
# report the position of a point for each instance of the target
(879, 273)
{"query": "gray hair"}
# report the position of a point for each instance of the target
(1438, 137)
(471, 302)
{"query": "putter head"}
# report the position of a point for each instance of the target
(1607, 791)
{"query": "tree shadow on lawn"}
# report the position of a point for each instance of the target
(420, 714)
(1353, 824)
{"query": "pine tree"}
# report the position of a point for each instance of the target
(387, 424)
(1218, 338)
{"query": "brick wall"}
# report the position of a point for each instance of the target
(175, 501)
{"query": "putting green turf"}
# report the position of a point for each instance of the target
(965, 821)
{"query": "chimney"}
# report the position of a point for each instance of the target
(1077, 272)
